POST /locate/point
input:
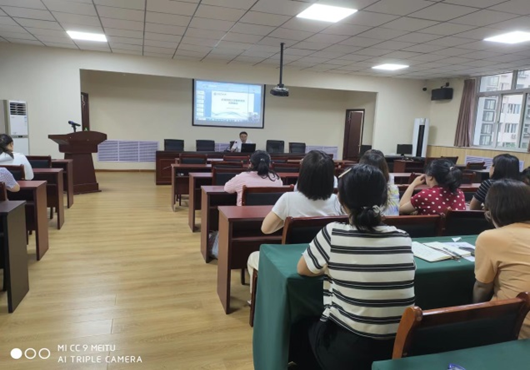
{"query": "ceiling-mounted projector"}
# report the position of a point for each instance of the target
(280, 89)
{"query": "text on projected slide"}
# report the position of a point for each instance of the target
(228, 104)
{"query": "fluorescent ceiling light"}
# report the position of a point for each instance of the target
(510, 37)
(98, 37)
(326, 13)
(390, 67)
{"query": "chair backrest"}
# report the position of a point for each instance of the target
(40, 161)
(452, 159)
(275, 146)
(416, 226)
(174, 145)
(304, 229)
(296, 147)
(3, 191)
(17, 171)
(286, 167)
(453, 328)
(263, 195)
(428, 160)
(475, 165)
(236, 158)
(224, 164)
(468, 177)
(192, 158)
(205, 145)
(464, 223)
(277, 159)
(221, 176)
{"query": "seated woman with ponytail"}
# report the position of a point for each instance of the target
(258, 174)
(10, 158)
(444, 180)
(369, 281)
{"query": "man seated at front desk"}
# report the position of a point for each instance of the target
(243, 139)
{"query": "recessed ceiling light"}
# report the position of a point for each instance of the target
(98, 37)
(326, 13)
(390, 67)
(510, 37)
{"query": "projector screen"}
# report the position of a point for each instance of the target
(226, 104)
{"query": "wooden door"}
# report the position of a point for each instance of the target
(85, 112)
(353, 134)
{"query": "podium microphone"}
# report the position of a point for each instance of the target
(74, 125)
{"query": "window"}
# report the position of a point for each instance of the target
(503, 111)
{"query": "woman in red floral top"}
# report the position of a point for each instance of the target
(443, 179)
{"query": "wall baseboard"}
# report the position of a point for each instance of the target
(131, 170)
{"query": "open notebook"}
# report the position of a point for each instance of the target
(436, 251)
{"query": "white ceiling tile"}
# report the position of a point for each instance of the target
(122, 24)
(199, 41)
(24, 41)
(223, 52)
(327, 39)
(55, 39)
(520, 7)
(328, 54)
(125, 51)
(170, 19)
(206, 34)
(521, 24)
(28, 13)
(162, 44)
(298, 52)
(394, 45)
(95, 46)
(339, 62)
(12, 28)
(61, 45)
(274, 42)
(252, 29)
(282, 7)
(451, 51)
(215, 12)
(402, 55)
(157, 55)
(171, 7)
(450, 41)
(46, 32)
(33, 4)
(253, 52)
(186, 58)
(7, 21)
(17, 35)
(447, 29)
(483, 18)
(424, 48)
(365, 18)
(311, 45)
(82, 28)
(154, 49)
(360, 41)
(161, 37)
(346, 49)
(39, 24)
(128, 4)
(241, 46)
(442, 12)
(381, 33)
(241, 37)
(211, 24)
(70, 7)
(265, 19)
(195, 48)
(346, 29)
(417, 37)
(237, 4)
(374, 52)
(247, 59)
(479, 33)
(481, 55)
(306, 25)
(124, 33)
(117, 13)
(291, 34)
(165, 29)
(409, 24)
(125, 40)
(81, 20)
(398, 7)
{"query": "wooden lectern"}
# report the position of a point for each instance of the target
(79, 147)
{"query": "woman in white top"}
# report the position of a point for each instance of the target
(314, 198)
(10, 158)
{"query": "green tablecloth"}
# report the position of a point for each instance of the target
(508, 356)
(284, 297)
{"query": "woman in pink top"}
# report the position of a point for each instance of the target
(259, 174)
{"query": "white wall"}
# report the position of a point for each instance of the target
(444, 113)
(49, 79)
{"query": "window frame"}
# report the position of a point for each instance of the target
(500, 94)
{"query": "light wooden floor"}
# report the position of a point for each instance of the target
(126, 271)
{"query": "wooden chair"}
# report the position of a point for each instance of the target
(452, 159)
(453, 328)
(224, 164)
(17, 171)
(221, 176)
(286, 167)
(205, 145)
(185, 158)
(475, 165)
(236, 158)
(278, 159)
(3, 192)
(416, 226)
(464, 223)
(295, 230)
(468, 177)
(40, 161)
(175, 145)
(262, 195)
(297, 148)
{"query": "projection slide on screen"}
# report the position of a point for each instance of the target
(226, 104)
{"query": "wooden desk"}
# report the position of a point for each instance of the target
(408, 166)
(197, 179)
(180, 179)
(34, 193)
(54, 190)
(239, 235)
(212, 197)
(400, 178)
(68, 177)
(14, 252)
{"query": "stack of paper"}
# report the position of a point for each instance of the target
(436, 251)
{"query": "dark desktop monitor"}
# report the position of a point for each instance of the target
(403, 149)
(248, 148)
(364, 149)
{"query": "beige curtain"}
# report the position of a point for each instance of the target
(466, 115)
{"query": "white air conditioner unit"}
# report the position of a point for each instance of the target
(14, 122)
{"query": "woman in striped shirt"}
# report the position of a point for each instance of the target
(369, 281)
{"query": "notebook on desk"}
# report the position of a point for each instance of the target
(436, 251)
